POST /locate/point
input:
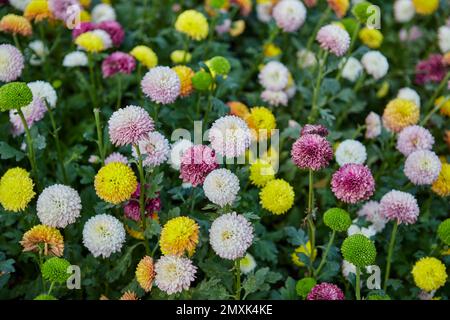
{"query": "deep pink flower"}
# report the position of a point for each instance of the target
(131, 208)
(353, 183)
(82, 28)
(430, 70)
(326, 291)
(311, 151)
(118, 62)
(196, 163)
(115, 31)
(314, 129)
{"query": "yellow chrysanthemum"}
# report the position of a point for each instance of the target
(42, 236)
(185, 74)
(442, 184)
(37, 10)
(238, 109)
(237, 28)
(429, 274)
(426, 7)
(399, 114)
(90, 42)
(115, 183)
(179, 235)
(85, 3)
(339, 7)
(16, 189)
(12, 23)
(261, 118)
(145, 273)
(445, 105)
(305, 249)
(85, 16)
(372, 38)
(271, 50)
(145, 55)
(193, 24)
(261, 172)
(129, 295)
(180, 57)
(277, 196)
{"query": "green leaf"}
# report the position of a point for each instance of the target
(211, 289)
(266, 250)
(8, 152)
(296, 237)
(122, 265)
(153, 228)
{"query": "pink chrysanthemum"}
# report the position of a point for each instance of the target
(333, 38)
(132, 210)
(154, 148)
(82, 28)
(422, 167)
(325, 291)
(61, 9)
(11, 63)
(118, 62)
(196, 163)
(289, 15)
(414, 138)
(314, 129)
(34, 112)
(311, 151)
(400, 206)
(373, 125)
(430, 70)
(116, 157)
(115, 31)
(129, 125)
(353, 183)
(161, 85)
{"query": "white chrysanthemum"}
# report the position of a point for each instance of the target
(289, 15)
(39, 52)
(263, 12)
(221, 187)
(230, 136)
(409, 94)
(355, 229)
(106, 38)
(350, 151)
(230, 236)
(274, 76)
(444, 38)
(103, 235)
(422, 167)
(154, 149)
(103, 12)
(116, 157)
(174, 274)
(348, 267)
(11, 63)
(275, 98)
(375, 64)
(247, 264)
(373, 125)
(371, 212)
(352, 69)
(306, 58)
(44, 91)
(75, 59)
(58, 206)
(404, 10)
(19, 4)
(177, 151)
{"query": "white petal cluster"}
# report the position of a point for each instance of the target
(444, 38)
(409, 94)
(103, 12)
(375, 64)
(19, 4)
(221, 187)
(289, 15)
(404, 10)
(106, 38)
(352, 69)
(306, 58)
(350, 151)
(44, 91)
(174, 274)
(422, 167)
(155, 149)
(230, 136)
(274, 76)
(247, 264)
(75, 59)
(176, 152)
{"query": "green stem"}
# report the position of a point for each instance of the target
(40, 268)
(237, 267)
(349, 52)
(324, 257)
(309, 217)
(142, 196)
(389, 257)
(16, 42)
(357, 285)
(315, 102)
(93, 90)
(119, 91)
(101, 148)
(51, 288)
(437, 92)
(433, 111)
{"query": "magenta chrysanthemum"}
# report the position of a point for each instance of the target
(116, 157)
(118, 62)
(196, 163)
(132, 210)
(161, 85)
(422, 167)
(430, 70)
(311, 151)
(115, 31)
(353, 183)
(11, 63)
(414, 138)
(82, 28)
(400, 206)
(129, 125)
(325, 291)
(314, 129)
(333, 38)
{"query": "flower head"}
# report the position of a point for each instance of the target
(91, 42)
(196, 163)
(43, 236)
(442, 184)
(261, 172)
(359, 250)
(221, 187)
(414, 138)
(115, 183)
(352, 69)
(353, 183)
(11, 63)
(444, 38)
(229, 136)
(176, 152)
(116, 157)
(145, 55)
(154, 149)
(430, 70)
(371, 212)
(145, 273)
(350, 151)
(16, 189)
(373, 125)
(325, 291)
(38, 10)
(425, 7)
(372, 38)
(103, 12)
(179, 235)
(262, 121)
(289, 15)
(429, 274)
(55, 270)
(193, 24)
(334, 39)
(44, 91)
(238, 109)
(314, 129)
(337, 219)
(61, 8)
(409, 94)
(403, 10)
(339, 7)
(174, 274)
(15, 95)
(15, 24)
(275, 98)
(118, 62)
(399, 114)
(422, 167)
(247, 264)
(185, 74)
(375, 64)
(311, 151)
(114, 30)
(399, 206)
(277, 196)
(161, 85)
(75, 59)
(274, 76)
(33, 112)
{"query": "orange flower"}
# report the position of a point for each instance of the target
(145, 273)
(185, 74)
(38, 10)
(42, 236)
(129, 295)
(238, 109)
(339, 7)
(12, 23)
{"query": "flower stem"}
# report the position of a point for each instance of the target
(437, 92)
(119, 91)
(237, 267)
(99, 135)
(315, 102)
(309, 217)
(389, 257)
(16, 42)
(357, 284)
(324, 257)
(433, 111)
(142, 196)
(51, 288)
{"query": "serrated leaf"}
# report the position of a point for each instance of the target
(8, 152)
(296, 237)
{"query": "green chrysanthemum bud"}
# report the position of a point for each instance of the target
(444, 231)
(361, 11)
(14, 95)
(359, 250)
(350, 24)
(202, 80)
(337, 219)
(45, 297)
(219, 65)
(304, 286)
(55, 270)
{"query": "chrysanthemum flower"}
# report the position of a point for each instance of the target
(429, 274)
(350, 151)
(18, 4)
(106, 38)
(154, 148)
(129, 296)
(422, 167)
(414, 138)
(129, 125)
(193, 24)
(274, 76)
(145, 273)
(55, 270)
(161, 85)
(176, 152)
(15, 95)
(11, 63)
(339, 7)
(33, 112)
(359, 250)
(196, 163)
(442, 184)
(16, 189)
(311, 151)
(114, 30)
(337, 219)
(275, 98)
(115, 183)
(145, 55)
(289, 15)
(103, 12)
(174, 274)
(221, 187)
(90, 42)
(399, 114)
(180, 56)
(373, 125)
(261, 172)
(271, 50)
(375, 64)
(60, 8)
(352, 69)
(116, 157)
(262, 121)
(306, 59)
(303, 249)
(426, 7)
(371, 212)
(38, 10)
(247, 264)
(230, 236)
(118, 62)
(430, 70)
(399, 206)
(58, 206)
(103, 235)
(42, 236)
(314, 129)
(44, 91)
(179, 235)
(277, 196)
(326, 291)
(444, 40)
(238, 109)
(372, 38)
(229, 136)
(409, 94)
(15, 24)
(185, 74)
(75, 59)
(334, 39)
(404, 10)
(353, 183)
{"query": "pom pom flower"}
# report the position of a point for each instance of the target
(221, 187)
(15, 95)
(16, 189)
(422, 167)
(277, 196)
(145, 55)
(325, 291)
(289, 15)
(399, 206)
(350, 151)
(145, 273)
(15, 24)
(229, 136)
(399, 114)
(261, 172)
(414, 138)
(334, 39)
(193, 24)
(11, 63)
(162, 85)
(55, 270)
(359, 250)
(353, 183)
(42, 236)
(429, 274)
(196, 163)
(442, 184)
(179, 235)
(337, 219)
(311, 151)
(174, 274)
